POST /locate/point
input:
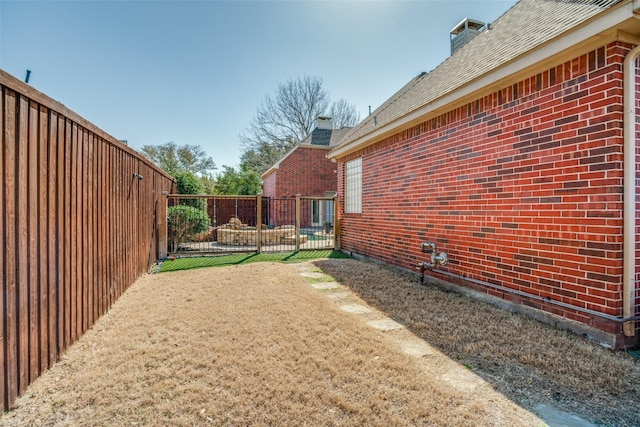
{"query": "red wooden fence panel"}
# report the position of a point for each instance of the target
(2, 248)
(76, 226)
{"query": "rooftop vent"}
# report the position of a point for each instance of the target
(465, 31)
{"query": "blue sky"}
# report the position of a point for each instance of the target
(194, 72)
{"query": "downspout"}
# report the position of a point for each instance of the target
(629, 195)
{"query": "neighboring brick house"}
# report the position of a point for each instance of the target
(512, 157)
(307, 171)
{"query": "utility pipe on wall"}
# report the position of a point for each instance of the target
(629, 195)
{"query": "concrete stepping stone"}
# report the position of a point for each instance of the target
(313, 275)
(355, 309)
(417, 348)
(326, 285)
(462, 379)
(307, 268)
(339, 295)
(556, 418)
(385, 324)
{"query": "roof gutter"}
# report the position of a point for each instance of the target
(592, 29)
(629, 191)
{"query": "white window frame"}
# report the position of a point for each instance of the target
(353, 186)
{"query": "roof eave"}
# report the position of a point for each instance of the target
(269, 171)
(592, 33)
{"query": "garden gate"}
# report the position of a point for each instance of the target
(201, 225)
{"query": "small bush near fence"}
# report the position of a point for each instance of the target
(184, 223)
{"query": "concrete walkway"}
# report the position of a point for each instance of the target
(428, 358)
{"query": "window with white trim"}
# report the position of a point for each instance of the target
(353, 186)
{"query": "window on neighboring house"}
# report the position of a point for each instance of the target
(353, 186)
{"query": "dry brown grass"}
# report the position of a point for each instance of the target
(527, 361)
(257, 345)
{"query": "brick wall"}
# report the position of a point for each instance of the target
(521, 188)
(269, 184)
(306, 171)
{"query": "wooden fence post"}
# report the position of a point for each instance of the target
(336, 225)
(258, 223)
(297, 222)
(161, 225)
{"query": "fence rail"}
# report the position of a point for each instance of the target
(81, 217)
(251, 224)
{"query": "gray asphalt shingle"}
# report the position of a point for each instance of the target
(527, 25)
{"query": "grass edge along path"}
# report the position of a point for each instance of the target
(189, 263)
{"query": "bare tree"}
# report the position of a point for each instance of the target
(285, 119)
(344, 114)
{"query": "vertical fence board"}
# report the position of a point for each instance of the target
(90, 236)
(61, 246)
(113, 192)
(68, 235)
(32, 233)
(119, 218)
(129, 260)
(10, 260)
(109, 203)
(3, 283)
(120, 228)
(43, 240)
(52, 238)
(22, 214)
(106, 219)
(101, 221)
(98, 229)
(96, 259)
(130, 215)
(84, 195)
(74, 219)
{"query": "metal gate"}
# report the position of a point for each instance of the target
(199, 225)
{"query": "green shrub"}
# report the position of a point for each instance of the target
(188, 183)
(185, 222)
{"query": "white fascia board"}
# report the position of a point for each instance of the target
(540, 54)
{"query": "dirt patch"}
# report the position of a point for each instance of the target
(254, 345)
(529, 362)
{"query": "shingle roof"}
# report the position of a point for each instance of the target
(321, 136)
(329, 137)
(528, 24)
(326, 137)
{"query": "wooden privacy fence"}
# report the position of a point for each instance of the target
(81, 217)
(253, 224)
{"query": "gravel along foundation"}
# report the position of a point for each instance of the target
(259, 344)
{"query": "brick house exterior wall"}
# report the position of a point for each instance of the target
(306, 171)
(269, 184)
(522, 188)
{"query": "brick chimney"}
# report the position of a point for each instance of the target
(324, 122)
(462, 33)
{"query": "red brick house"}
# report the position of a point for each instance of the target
(518, 158)
(307, 171)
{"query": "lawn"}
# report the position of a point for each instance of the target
(188, 263)
(259, 344)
